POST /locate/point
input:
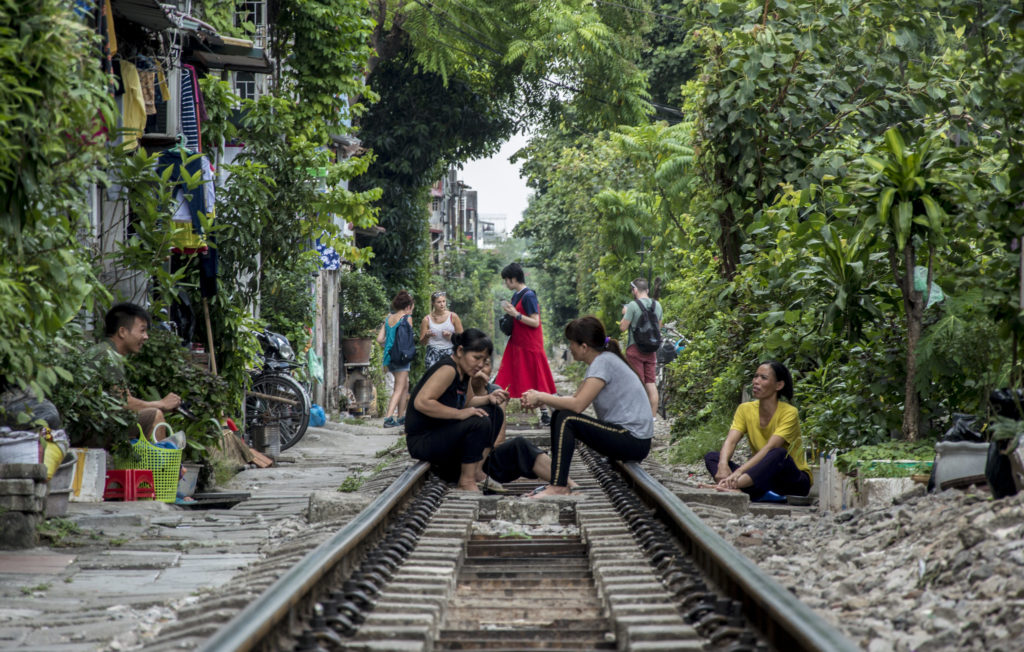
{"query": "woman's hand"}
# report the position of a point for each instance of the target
(447, 335)
(498, 396)
(723, 472)
(509, 309)
(532, 398)
(731, 481)
(466, 413)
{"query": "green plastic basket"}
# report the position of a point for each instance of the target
(165, 463)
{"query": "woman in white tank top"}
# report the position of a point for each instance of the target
(437, 329)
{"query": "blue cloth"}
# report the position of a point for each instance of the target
(531, 306)
(196, 198)
(329, 258)
(160, 444)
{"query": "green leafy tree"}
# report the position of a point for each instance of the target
(910, 186)
(54, 102)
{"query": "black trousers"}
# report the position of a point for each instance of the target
(776, 472)
(512, 460)
(452, 443)
(614, 442)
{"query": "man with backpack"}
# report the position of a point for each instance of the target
(642, 318)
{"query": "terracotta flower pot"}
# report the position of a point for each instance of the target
(356, 350)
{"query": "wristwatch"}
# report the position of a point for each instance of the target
(519, 316)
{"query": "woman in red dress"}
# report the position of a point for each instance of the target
(524, 365)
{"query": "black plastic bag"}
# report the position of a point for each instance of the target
(1006, 402)
(998, 471)
(962, 429)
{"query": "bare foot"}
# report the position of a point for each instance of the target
(472, 488)
(718, 488)
(548, 491)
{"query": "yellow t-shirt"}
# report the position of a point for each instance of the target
(785, 423)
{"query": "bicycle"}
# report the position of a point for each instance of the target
(672, 344)
(276, 396)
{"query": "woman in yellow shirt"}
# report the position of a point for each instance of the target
(777, 467)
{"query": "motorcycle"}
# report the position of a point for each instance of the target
(275, 395)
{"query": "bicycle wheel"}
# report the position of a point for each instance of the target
(279, 397)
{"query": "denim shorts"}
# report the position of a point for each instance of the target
(399, 367)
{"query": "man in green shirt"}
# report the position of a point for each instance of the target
(126, 329)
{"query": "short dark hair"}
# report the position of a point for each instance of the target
(472, 339)
(514, 271)
(640, 284)
(124, 314)
(401, 301)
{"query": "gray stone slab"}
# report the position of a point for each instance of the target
(130, 560)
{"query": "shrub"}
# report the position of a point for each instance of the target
(362, 302)
(91, 416)
(164, 366)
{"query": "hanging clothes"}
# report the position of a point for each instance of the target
(161, 82)
(108, 41)
(189, 112)
(148, 80)
(189, 239)
(133, 115)
(190, 203)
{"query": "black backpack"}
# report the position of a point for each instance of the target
(403, 348)
(646, 333)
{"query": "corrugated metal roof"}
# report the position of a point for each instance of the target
(255, 61)
(147, 13)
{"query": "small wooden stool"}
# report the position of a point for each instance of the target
(129, 484)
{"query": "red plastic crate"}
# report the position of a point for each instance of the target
(129, 484)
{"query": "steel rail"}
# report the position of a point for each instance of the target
(254, 623)
(785, 621)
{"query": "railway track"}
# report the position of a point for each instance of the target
(623, 566)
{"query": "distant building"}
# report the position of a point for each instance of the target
(493, 228)
(453, 215)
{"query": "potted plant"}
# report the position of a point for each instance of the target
(362, 302)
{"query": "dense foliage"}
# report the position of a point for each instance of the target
(838, 197)
(54, 102)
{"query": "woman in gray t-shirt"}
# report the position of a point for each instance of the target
(624, 426)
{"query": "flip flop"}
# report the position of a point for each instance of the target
(491, 485)
(536, 491)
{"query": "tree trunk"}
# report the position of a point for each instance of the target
(913, 306)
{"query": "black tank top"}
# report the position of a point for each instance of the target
(454, 396)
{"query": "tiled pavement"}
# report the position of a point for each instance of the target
(133, 559)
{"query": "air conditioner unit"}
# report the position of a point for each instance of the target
(166, 122)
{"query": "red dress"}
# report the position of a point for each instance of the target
(524, 365)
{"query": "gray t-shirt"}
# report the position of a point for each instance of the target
(633, 314)
(622, 401)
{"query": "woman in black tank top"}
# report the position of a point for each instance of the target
(446, 424)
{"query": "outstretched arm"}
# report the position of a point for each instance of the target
(578, 402)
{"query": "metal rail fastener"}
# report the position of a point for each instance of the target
(767, 604)
(254, 623)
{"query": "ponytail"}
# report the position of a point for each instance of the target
(590, 331)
